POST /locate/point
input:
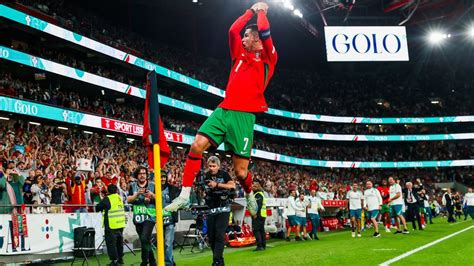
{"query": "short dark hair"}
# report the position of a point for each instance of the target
(112, 189)
(252, 27)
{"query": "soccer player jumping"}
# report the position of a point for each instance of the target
(253, 62)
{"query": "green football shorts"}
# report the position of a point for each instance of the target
(234, 128)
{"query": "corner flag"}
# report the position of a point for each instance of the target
(154, 138)
(153, 130)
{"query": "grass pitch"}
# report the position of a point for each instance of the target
(339, 248)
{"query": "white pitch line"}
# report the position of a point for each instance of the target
(459, 223)
(404, 255)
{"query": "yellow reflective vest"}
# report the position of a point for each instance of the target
(116, 214)
(263, 210)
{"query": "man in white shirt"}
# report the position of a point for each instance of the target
(313, 213)
(291, 215)
(301, 205)
(396, 205)
(356, 199)
(469, 203)
(373, 204)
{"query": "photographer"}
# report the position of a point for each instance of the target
(219, 194)
(142, 197)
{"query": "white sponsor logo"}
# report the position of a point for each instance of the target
(28, 20)
(34, 61)
(366, 43)
(128, 128)
(4, 53)
(26, 109)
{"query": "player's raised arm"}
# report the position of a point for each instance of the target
(264, 33)
(235, 41)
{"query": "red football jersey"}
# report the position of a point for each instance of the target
(251, 71)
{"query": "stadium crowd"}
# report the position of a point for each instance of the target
(40, 163)
(328, 151)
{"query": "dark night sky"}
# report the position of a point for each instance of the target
(202, 29)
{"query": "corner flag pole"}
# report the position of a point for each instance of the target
(160, 249)
(155, 126)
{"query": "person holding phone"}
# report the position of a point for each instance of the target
(142, 197)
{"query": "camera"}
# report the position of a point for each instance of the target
(223, 196)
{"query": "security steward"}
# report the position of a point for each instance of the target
(258, 220)
(220, 191)
(113, 215)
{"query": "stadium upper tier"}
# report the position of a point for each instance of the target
(77, 74)
(43, 26)
(42, 111)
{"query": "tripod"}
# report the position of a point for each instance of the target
(125, 244)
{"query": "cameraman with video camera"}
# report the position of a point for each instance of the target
(220, 192)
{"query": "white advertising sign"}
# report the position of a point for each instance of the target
(51, 233)
(366, 44)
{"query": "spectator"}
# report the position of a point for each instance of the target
(78, 190)
(41, 195)
(58, 193)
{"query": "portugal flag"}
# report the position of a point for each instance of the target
(153, 131)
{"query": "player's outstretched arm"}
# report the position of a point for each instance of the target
(264, 33)
(235, 41)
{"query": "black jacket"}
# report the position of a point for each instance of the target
(417, 197)
(104, 205)
(449, 200)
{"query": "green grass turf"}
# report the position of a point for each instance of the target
(339, 248)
